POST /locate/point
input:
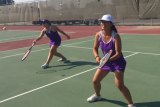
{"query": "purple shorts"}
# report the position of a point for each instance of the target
(117, 65)
(55, 43)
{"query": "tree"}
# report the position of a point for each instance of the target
(6, 2)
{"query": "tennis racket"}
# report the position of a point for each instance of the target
(104, 60)
(28, 52)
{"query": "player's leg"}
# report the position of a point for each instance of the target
(52, 51)
(62, 57)
(119, 81)
(98, 77)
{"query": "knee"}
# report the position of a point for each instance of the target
(120, 86)
(95, 81)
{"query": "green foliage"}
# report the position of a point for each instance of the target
(6, 2)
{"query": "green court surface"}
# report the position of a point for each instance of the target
(26, 84)
(6, 36)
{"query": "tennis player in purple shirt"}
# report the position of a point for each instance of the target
(108, 39)
(55, 40)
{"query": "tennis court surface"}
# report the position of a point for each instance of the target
(26, 84)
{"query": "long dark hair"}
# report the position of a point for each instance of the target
(45, 21)
(113, 28)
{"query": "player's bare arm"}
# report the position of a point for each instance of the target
(40, 36)
(95, 48)
(59, 30)
(118, 48)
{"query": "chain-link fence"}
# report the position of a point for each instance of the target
(123, 11)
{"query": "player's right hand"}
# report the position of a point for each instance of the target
(98, 59)
(35, 41)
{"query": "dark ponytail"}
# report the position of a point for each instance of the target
(113, 28)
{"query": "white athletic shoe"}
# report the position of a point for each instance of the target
(94, 98)
(62, 60)
(45, 66)
(131, 105)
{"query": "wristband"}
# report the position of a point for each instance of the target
(96, 56)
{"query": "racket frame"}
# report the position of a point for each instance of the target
(28, 52)
(105, 59)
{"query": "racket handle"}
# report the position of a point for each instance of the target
(33, 44)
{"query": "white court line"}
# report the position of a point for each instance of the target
(80, 47)
(19, 38)
(156, 54)
(137, 34)
(132, 54)
(44, 86)
(40, 50)
(79, 42)
(21, 53)
(28, 30)
(47, 43)
(31, 30)
(25, 37)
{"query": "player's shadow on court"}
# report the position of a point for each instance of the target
(72, 64)
(148, 104)
(119, 103)
(62, 66)
(142, 104)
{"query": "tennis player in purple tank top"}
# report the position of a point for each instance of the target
(55, 40)
(108, 39)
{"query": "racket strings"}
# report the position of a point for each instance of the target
(104, 60)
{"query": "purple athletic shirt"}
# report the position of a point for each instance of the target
(116, 65)
(54, 37)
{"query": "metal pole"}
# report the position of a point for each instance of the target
(60, 4)
(32, 12)
(39, 15)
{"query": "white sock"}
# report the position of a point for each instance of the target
(131, 105)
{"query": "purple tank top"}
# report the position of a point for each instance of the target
(105, 47)
(53, 35)
(110, 45)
